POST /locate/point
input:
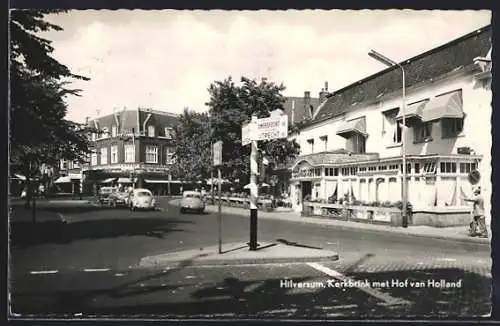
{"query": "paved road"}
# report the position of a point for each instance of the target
(92, 269)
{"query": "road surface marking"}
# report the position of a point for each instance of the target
(62, 217)
(96, 269)
(371, 291)
(245, 265)
(44, 272)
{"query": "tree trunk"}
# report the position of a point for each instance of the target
(28, 190)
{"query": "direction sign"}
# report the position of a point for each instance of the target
(246, 134)
(271, 128)
(217, 153)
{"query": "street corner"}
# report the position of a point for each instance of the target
(240, 254)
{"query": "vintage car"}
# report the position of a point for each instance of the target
(192, 201)
(141, 199)
(104, 194)
(118, 199)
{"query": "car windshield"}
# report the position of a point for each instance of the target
(106, 191)
(143, 194)
(192, 196)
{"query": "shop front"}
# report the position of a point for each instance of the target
(437, 184)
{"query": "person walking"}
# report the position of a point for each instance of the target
(478, 224)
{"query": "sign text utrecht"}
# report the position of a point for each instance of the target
(272, 128)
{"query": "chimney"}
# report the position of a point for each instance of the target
(323, 93)
(307, 103)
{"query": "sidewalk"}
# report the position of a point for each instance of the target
(457, 233)
(239, 253)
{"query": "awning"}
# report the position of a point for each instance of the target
(161, 181)
(353, 126)
(444, 106)
(413, 110)
(109, 180)
(63, 180)
(75, 176)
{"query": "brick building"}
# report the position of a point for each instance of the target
(133, 148)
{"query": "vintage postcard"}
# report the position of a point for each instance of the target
(301, 164)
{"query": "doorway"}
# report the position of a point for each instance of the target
(306, 189)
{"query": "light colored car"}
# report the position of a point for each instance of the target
(118, 198)
(192, 201)
(104, 194)
(141, 199)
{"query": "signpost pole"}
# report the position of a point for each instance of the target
(254, 192)
(220, 210)
(217, 158)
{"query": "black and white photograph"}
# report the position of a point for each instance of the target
(256, 165)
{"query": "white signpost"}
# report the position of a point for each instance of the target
(217, 153)
(274, 127)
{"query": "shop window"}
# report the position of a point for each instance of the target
(448, 167)
(417, 167)
(430, 167)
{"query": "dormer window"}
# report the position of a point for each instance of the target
(105, 133)
(151, 131)
(169, 132)
(324, 139)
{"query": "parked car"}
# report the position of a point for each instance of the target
(104, 194)
(192, 201)
(141, 199)
(118, 198)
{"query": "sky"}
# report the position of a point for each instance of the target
(167, 59)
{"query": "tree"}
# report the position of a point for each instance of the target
(230, 107)
(193, 154)
(39, 132)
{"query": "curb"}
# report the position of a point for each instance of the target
(483, 241)
(242, 261)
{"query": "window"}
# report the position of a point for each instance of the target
(93, 159)
(430, 167)
(357, 143)
(169, 132)
(353, 171)
(362, 169)
(451, 127)
(382, 168)
(105, 133)
(423, 132)
(324, 139)
(408, 167)
(114, 154)
(129, 153)
(393, 167)
(391, 128)
(169, 155)
(417, 168)
(345, 171)
(151, 131)
(372, 168)
(151, 154)
(311, 144)
(114, 131)
(448, 167)
(104, 155)
(76, 165)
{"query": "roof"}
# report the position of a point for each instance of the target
(301, 111)
(335, 157)
(451, 56)
(128, 119)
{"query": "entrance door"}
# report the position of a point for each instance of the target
(306, 189)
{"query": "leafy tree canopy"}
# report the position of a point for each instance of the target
(192, 157)
(230, 107)
(39, 132)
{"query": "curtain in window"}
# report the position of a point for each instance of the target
(394, 190)
(330, 188)
(446, 191)
(465, 191)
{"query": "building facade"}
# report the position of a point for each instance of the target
(352, 147)
(131, 148)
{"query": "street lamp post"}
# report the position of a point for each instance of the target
(388, 62)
